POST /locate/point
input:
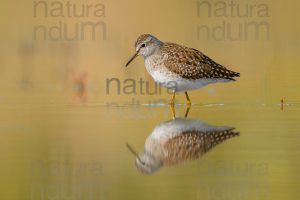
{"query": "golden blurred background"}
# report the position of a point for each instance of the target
(64, 129)
(36, 56)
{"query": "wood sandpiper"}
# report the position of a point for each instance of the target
(178, 67)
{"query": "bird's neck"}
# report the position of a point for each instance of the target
(155, 51)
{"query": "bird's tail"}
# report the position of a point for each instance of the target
(232, 74)
(217, 137)
(220, 136)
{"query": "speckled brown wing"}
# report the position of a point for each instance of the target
(192, 64)
(192, 144)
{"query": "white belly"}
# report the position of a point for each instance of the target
(173, 81)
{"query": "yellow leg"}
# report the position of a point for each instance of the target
(173, 111)
(189, 103)
(173, 99)
(172, 105)
(187, 111)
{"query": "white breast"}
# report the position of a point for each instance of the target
(173, 128)
(161, 74)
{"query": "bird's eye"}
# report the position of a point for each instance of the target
(143, 45)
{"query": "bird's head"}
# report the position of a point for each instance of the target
(145, 46)
(145, 163)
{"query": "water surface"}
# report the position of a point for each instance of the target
(67, 151)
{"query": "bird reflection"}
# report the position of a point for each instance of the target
(178, 140)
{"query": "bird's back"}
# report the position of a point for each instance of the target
(192, 64)
(192, 144)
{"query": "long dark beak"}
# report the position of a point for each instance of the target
(133, 151)
(132, 58)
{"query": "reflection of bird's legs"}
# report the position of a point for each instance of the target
(187, 111)
(188, 99)
(173, 111)
(188, 103)
(172, 104)
(173, 99)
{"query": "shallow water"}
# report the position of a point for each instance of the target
(67, 151)
(64, 124)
